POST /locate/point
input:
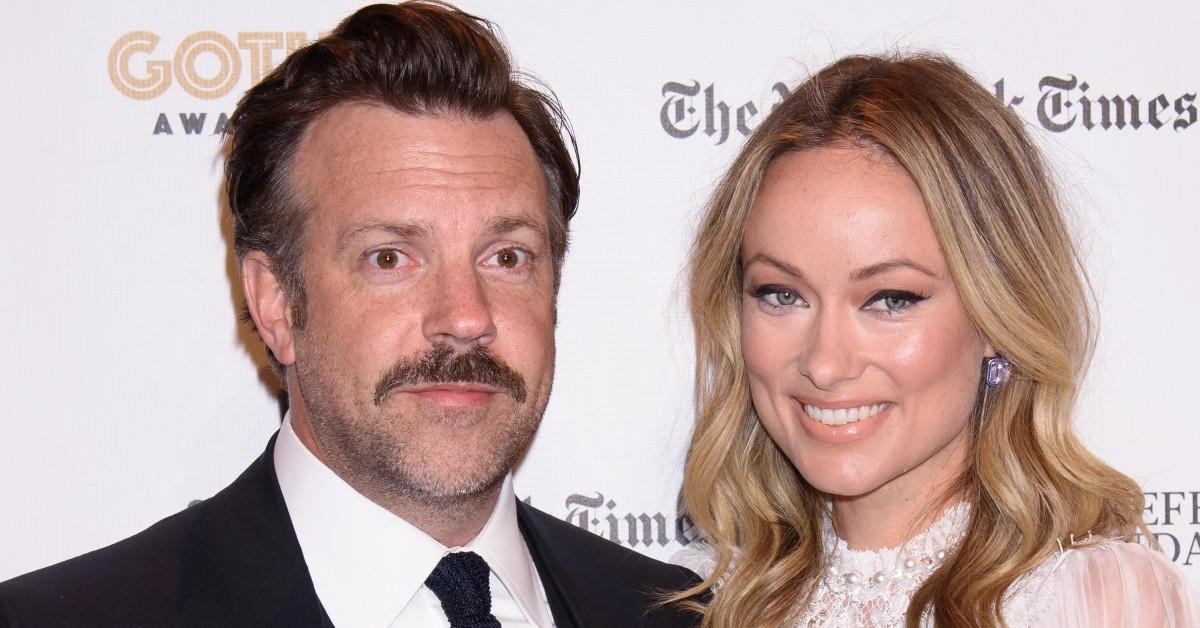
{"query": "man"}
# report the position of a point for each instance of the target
(400, 204)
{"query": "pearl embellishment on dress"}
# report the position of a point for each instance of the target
(913, 566)
(872, 588)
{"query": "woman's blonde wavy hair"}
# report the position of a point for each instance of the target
(1030, 481)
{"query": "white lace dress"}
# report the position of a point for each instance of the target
(1102, 584)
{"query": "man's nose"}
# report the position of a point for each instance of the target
(458, 312)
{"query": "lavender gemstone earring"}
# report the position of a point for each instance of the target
(998, 371)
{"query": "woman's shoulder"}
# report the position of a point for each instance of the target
(1110, 583)
(1110, 554)
(1110, 561)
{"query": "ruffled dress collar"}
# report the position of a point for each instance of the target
(872, 588)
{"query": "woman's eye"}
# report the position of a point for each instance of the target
(893, 301)
(786, 297)
(510, 258)
(387, 259)
(777, 296)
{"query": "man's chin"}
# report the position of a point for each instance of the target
(453, 487)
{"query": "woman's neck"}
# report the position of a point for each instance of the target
(874, 527)
(894, 512)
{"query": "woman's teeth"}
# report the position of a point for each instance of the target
(842, 416)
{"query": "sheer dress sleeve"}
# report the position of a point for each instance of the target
(698, 557)
(1121, 585)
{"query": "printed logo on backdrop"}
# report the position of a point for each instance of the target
(1174, 519)
(1172, 516)
(1063, 103)
(204, 66)
(637, 530)
(685, 112)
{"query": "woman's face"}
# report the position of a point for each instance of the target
(863, 365)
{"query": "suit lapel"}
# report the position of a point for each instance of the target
(249, 569)
(578, 596)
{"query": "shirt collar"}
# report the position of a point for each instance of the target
(366, 563)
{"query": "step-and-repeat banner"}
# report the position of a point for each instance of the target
(130, 389)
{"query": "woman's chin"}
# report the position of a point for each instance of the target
(846, 483)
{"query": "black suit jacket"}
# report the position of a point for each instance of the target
(233, 560)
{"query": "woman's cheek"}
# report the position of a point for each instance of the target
(761, 348)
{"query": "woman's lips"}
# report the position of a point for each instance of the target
(847, 423)
(843, 415)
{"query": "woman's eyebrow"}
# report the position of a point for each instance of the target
(882, 267)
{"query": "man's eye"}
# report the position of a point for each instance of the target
(510, 258)
(387, 259)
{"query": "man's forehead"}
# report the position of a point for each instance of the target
(372, 160)
(381, 138)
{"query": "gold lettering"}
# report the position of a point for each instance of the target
(295, 40)
(153, 83)
(260, 46)
(189, 77)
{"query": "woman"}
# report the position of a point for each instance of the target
(891, 323)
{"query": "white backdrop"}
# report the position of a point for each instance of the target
(129, 388)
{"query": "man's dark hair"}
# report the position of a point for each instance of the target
(425, 58)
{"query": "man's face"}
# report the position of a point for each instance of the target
(427, 353)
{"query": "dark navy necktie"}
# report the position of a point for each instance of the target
(460, 581)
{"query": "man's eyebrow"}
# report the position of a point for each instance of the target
(404, 230)
(501, 225)
(763, 258)
(892, 264)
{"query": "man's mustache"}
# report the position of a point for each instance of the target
(441, 365)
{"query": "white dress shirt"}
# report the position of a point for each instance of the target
(368, 566)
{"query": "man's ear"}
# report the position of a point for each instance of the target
(269, 306)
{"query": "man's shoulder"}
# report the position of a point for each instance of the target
(232, 559)
(599, 552)
(133, 578)
(608, 584)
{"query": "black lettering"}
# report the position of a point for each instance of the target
(1085, 104)
(1118, 110)
(683, 530)
(744, 113)
(711, 107)
(162, 125)
(782, 91)
(1156, 105)
(1193, 550)
(193, 124)
(1174, 553)
(1149, 508)
(614, 528)
(1052, 110)
(649, 527)
(1012, 102)
(1185, 106)
(579, 513)
(1169, 506)
(222, 120)
(678, 107)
